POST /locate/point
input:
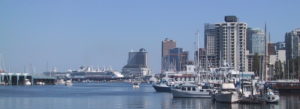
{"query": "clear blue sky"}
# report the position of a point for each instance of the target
(70, 33)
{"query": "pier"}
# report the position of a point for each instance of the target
(285, 86)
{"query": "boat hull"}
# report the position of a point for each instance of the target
(189, 94)
(136, 86)
(228, 98)
(161, 89)
(271, 98)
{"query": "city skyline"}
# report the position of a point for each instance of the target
(68, 34)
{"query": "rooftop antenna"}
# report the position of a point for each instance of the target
(269, 37)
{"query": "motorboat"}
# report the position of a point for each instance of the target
(258, 93)
(228, 93)
(27, 82)
(40, 83)
(136, 85)
(60, 82)
(192, 91)
(68, 83)
(247, 88)
(270, 96)
(162, 87)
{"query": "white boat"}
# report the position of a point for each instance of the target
(136, 84)
(228, 93)
(40, 83)
(270, 96)
(60, 82)
(68, 83)
(191, 91)
(27, 82)
(2, 83)
(247, 88)
(258, 93)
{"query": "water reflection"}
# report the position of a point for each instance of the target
(290, 101)
(200, 103)
(286, 102)
(116, 96)
(191, 103)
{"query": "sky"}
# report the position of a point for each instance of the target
(69, 33)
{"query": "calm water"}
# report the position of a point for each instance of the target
(115, 96)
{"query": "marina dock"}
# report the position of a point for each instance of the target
(285, 86)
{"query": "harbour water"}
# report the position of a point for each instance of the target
(116, 96)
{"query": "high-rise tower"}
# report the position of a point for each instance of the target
(292, 41)
(227, 42)
(167, 45)
(137, 64)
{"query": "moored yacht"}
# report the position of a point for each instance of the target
(228, 93)
(136, 84)
(270, 96)
(192, 91)
(247, 88)
(40, 83)
(68, 83)
(162, 87)
(27, 82)
(60, 82)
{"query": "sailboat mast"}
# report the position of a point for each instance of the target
(198, 56)
(197, 48)
(266, 54)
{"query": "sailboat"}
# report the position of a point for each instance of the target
(196, 90)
